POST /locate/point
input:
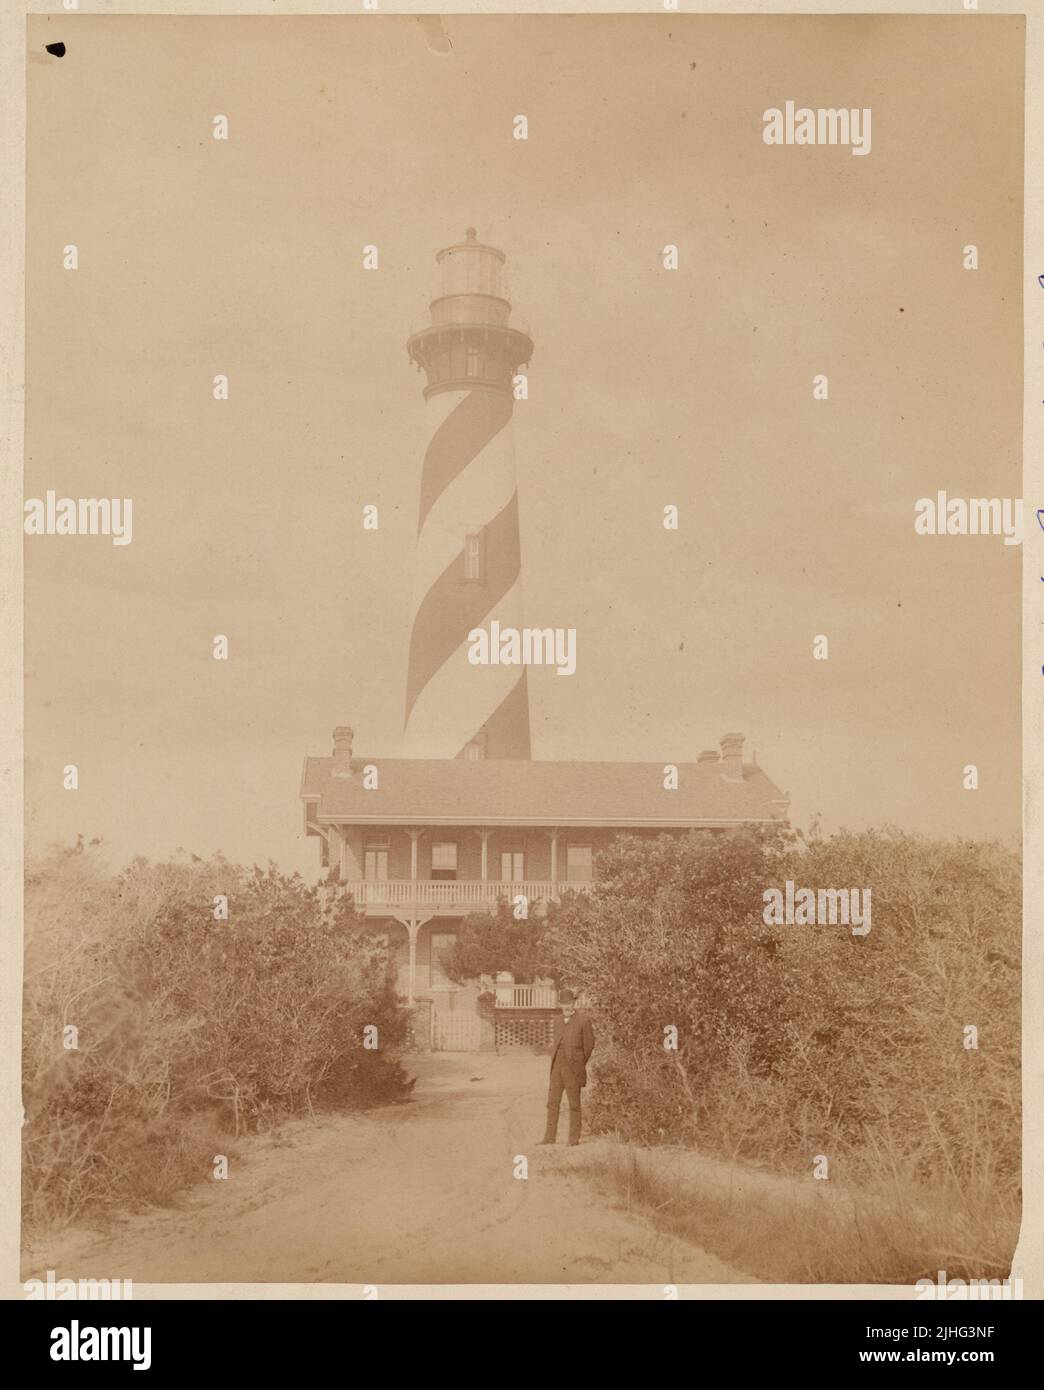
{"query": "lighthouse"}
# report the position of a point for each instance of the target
(468, 558)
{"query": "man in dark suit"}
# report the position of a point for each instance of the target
(568, 1068)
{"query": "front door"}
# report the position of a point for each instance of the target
(440, 941)
(512, 866)
(375, 864)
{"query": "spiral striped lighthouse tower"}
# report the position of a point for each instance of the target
(468, 559)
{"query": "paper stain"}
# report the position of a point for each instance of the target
(435, 33)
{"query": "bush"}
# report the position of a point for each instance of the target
(487, 942)
(802, 1040)
(187, 1028)
(672, 938)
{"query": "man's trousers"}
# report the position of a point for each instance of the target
(562, 1080)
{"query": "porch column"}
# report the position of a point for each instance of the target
(413, 927)
(351, 861)
(554, 861)
(485, 834)
(334, 849)
(414, 837)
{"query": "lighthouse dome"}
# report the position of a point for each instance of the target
(472, 268)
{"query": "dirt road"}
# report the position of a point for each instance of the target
(417, 1193)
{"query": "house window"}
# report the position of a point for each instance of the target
(512, 866)
(473, 565)
(444, 860)
(472, 367)
(578, 863)
(375, 863)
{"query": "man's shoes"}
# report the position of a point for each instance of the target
(573, 1143)
(545, 1141)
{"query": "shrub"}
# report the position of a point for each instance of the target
(187, 1027)
(799, 1040)
(672, 937)
(490, 941)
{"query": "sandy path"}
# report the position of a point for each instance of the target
(410, 1194)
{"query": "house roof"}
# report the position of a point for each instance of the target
(492, 791)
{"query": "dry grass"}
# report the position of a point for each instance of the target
(790, 1232)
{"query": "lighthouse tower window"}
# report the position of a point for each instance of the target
(473, 557)
(472, 364)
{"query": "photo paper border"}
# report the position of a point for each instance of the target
(1028, 1264)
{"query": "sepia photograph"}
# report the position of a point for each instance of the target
(523, 734)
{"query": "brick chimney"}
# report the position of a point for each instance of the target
(732, 757)
(342, 751)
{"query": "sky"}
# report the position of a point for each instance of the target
(647, 387)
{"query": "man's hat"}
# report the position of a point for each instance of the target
(566, 996)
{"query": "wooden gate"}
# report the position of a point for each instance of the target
(456, 1030)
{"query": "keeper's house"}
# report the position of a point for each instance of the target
(437, 839)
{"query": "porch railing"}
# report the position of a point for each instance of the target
(403, 892)
(525, 996)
